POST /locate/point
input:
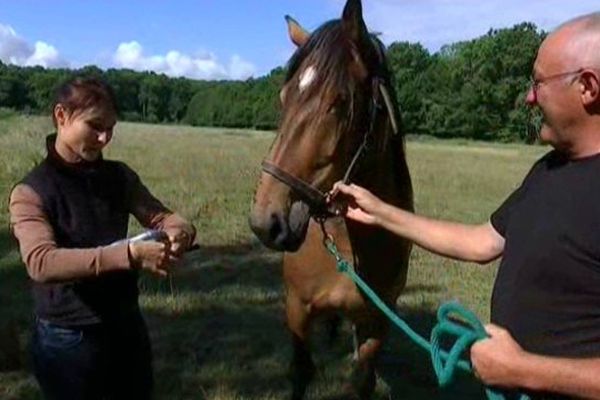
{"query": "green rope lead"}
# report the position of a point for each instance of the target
(444, 363)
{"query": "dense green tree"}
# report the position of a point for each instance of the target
(126, 84)
(473, 89)
(42, 86)
(407, 62)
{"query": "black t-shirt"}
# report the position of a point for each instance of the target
(547, 292)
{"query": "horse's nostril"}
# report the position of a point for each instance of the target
(278, 229)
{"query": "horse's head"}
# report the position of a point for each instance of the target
(328, 107)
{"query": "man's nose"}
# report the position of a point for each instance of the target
(531, 98)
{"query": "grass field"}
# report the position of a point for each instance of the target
(217, 324)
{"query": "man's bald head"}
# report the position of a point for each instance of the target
(567, 88)
(579, 41)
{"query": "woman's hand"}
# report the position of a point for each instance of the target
(179, 240)
(151, 256)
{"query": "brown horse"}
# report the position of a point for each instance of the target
(338, 122)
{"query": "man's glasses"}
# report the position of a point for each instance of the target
(537, 82)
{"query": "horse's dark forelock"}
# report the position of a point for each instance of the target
(327, 49)
(330, 52)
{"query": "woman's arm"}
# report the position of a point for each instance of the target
(151, 213)
(46, 262)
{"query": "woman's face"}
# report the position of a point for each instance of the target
(84, 133)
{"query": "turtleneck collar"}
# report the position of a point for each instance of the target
(82, 166)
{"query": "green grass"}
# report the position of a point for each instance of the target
(217, 324)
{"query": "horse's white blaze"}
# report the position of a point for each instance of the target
(308, 76)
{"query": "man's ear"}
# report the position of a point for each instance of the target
(590, 88)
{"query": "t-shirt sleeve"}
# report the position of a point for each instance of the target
(501, 217)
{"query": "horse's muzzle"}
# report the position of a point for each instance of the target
(281, 231)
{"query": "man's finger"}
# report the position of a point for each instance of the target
(358, 190)
(331, 195)
(493, 330)
(342, 187)
(476, 373)
(335, 190)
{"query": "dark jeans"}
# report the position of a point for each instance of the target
(103, 361)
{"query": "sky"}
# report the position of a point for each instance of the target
(237, 39)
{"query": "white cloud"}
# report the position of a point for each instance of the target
(202, 66)
(15, 50)
(240, 69)
(44, 55)
(435, 23)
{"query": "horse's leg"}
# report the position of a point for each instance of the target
(302, 368)
(369, 336)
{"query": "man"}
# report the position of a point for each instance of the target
(545, 308)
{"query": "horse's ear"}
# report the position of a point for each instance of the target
(356, 30)
(298, 34)
(353, 22)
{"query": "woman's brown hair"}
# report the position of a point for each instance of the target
(82, 93)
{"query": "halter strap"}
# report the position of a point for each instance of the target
(316, 200)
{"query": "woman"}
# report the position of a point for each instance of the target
(89, 340)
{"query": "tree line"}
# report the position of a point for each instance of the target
(471, 89)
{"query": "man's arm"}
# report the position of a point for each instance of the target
(477, 243)
(500, 361)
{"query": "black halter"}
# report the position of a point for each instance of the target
(313, 197)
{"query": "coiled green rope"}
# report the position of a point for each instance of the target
(444, 363)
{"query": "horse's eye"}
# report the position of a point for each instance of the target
(336, 106)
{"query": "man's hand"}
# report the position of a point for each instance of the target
(358, 203)
(497, 360)
(151, 256)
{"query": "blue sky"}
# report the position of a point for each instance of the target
(236, 39)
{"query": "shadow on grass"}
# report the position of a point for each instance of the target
(217, 329)
(15, 322)
(223, 336)
(14, 284)
(7, 243)
(232, 343)
(406, 368)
